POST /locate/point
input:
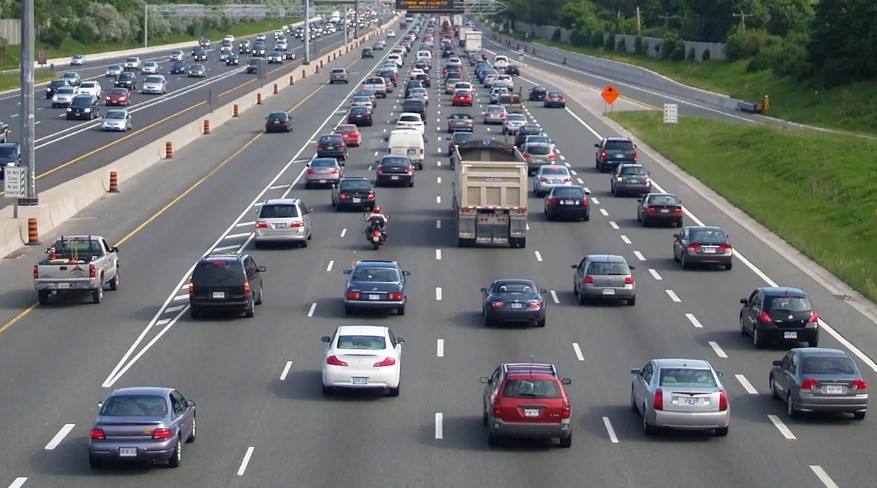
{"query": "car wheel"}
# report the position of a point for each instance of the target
(484, 416)
(259, 300)
(773, 389)
(97, 295)
(194, 313)
(177, 458)
(250, 312)
(756, 337)
(304, 243)
(191, 438)
(582, 298)
(328, 391)
(348, 310)
(675, 257)
(400, 310)
(43, 297)
(742, 328)
(722, 432)
(94, 462)
(814, 342)
(729, 266)
(566, 441)
(790, 407)
(648, 429)
(682, 262)
(859, 415)
(633, 406)
(631, 301)
(492, 440)
(394, 392)
(114, 283)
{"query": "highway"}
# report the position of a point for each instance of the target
(263, 421)
(67, 148)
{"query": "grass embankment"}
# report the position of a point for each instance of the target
(851, 107)
(816, 191)
(70, 47)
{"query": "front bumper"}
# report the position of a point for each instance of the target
(118, 127)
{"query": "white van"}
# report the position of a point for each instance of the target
(407, 142)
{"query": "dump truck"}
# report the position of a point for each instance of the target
(490, 194)
(80, 264)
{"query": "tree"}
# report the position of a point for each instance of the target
(107, 23)
(841, 39)
(789, 16)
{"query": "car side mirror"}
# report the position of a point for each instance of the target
(676, 236)
(777, 363)
(636, 372)
(100, 404)
(639, 200)
(744, 301)
(347, 271)
(262, 269)
(326, 339)
(543, 290)
(720, 373)
(566, 381)
(575, 266)
(190, 403)
(114, 249)
(484, 290)
(587, 192)
(596, 145)
(631, 266)
(484, 380)
(406, 273)
(400, 340)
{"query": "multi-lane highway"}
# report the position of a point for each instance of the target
(263, 421)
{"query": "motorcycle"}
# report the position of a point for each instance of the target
(375, 234)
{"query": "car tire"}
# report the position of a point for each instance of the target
(722, 432)
(250, 311)
(484, 419)
(114, 283)
(191, 438)
(328, 391)
(566, 441)
(348, 310)
(94, 462)
(814, 342)
(859, 415)
(177, 457)
(587, 217)
(633, 406)
(729, 266)
(304, 243)
(790, 407)
(648, 429)
(682, 262)
(492, 440)
(742, 329)
(773, 389)
(631, 301)
(394, 392)
(400, 310)
(194, 313)
(582, 299)
(756, 338)
(43, 297)
(260, 299)
(97, 295)
(541, 323)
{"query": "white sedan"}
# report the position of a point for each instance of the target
(90, 88)
(362, 357)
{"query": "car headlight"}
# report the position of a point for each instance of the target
(69, 109)
(88, 110)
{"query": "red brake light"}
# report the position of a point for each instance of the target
(543, 180)
(565, 413)
(334, 361)
(526, 156)
(634, 154)
(764, 317)
(693, 247)
(92, 271)
(808, 384)
(36, 271)
(162, 433)
(535, 304)
(371, 195)
(380, 169)
(814, 318)
(603, 154)
(394, 296)
(860, 385)
(319, 146)
(354, 295)
(585, 202)
(342, 196)
(334, 171)
(261, 225)
(650, 210)
(678, 210)
(723, 401)
(588, 280)
(497, 304)
(551, 157)
(411, 170)
(191, 289)
(386, 362)
(567, 180)
(553, 201)
(659, 400)
(297, 224)
(98, 435)
(628, 281)
(247, 288)
(310, 171)
(725, 247)
(497, 410)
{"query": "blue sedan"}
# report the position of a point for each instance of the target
(513, 300)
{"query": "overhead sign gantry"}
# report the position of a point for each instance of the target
(431, 6)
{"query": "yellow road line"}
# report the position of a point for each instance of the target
(18, 317)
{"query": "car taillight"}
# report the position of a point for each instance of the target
(191, 289)
(658, 404)
(92, 271)
(563, 99)
(808, 384)
(394, 296)
(650, 210)
(354, 295)
(297, 224)
(319, 146)
(344, 146)
(725, 248)
(678, 210)
(497, 410)
(36, 271)
(551, 157)
(588, 280)
(497, 304)
(860, 385)
(544, 180)
(566, 411)
(334, 171)
(535, 304)
(526, 156)
(764, 317)
(814, 318)
(386, 362)
(723, 401)
(411, 170)
(162, 433)
(634, 154)
(98, 435)
(247, 288)
(553, 201)
(311, 172)
(602, 154)
(567, 180)
(261, 224)
(693, 247)
(628, 281)
(371, 195)
(334, 361)
(342, 196)
(380, 170)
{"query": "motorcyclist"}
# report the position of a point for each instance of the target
(377, 218)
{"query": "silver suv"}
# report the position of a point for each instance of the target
(283, 220)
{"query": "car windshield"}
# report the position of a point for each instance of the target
(279, 211)
(324, 163)
(539, 150)
(355, 185)
(531, 389)
(153, 79)
(554, 170)
(115, 114)
(515, 287)
(633, 171)
(7, 151)
(82, 101)
(568, 191)
(708, 235)
(789, 304)
(663, 200)
(132, 60)
(376, 275)
(828, 365)
(134, 406)
(218, 272)
(362, 342)
(64, 91)
(687, 377)
(619, 146)
(609, 269)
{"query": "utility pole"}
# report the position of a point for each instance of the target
(639, 22)
(307, 34)
(742, 16)
(344, 25)
(356, 16)
(145, 25)
(27, 102)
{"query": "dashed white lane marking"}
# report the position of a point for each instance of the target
(438, 199)
(438, 293)
(181, 297)
(562, 158)
(538, 256)
(245, 224)
(246, 461)
(610, 430)
(573, 172)
(823, 476)
(781, 427)
(613, 224)
(596, 202)
(438, 163)
(655, 274)
(343, 232)
(691, 318)
(746, 384)
(440, 348)
(439, 434)
(578, 350)
(59, 436)
(438, 254)
(237, 236)
(311, 311)
(163, 321)
(19, 482)
(673, 296)
(376, 154)
(567, 165)
(604, 212)
(581, 181)
(277, 187)
(625, 239)
(438, 179)
(718, 349)
(329, 268)
(225, 248)
(639, 255)
(174, 309)
(369, 167)
(554, 296)
(285, 371)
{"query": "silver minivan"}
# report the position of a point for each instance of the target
(283, 220)
(604, 277)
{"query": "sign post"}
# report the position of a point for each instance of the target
(609, 94)
(41, 59)
(14, 185)
(671, 113)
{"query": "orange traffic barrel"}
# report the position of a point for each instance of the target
(291, 79)
(236, 112)
(168, 150)
(33, 234)
(304, 74)
(276, 89)
(206, 127)
(258, 99)
(114, 182)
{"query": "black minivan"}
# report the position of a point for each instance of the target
(225, 283)
(83, 107)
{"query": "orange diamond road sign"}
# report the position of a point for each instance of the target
(610, 94)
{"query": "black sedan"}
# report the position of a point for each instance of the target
(232, 59)
(179, 68)
(702, 245)
(392, 169)
(360, 116)
(353, 192)
(368, 52)
(538, 93)
(513, 70)
(779, 314)
(456, 139)
(659, 208)
(278, 122)
(376, 285)
(567, 202)
(513, 301)
(197, 71)
(276, 57)
(332, 146)
(126, 80)
(555, 99)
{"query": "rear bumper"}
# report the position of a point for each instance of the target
(224, 305)
(569, 211)
(527, 316)
(522, 430)
(400, 179)
(633, 188)
(708, 258)
(342, 377)
(813, 403)
(692, 420)
(597, 292)
(281, 237)
(659, 217)
(109, 450)
(67, 286)
(375, 305)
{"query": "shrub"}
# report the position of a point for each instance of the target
(83, 33)
(678, 53)
(706, 55)
(745, 44)
(578, 37)
(556, 36)
(596, 39)
(55, 34)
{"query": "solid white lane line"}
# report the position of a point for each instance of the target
(746, 384)
(329, 268)
(625, 239)
(610, 430)
(438, 199)
(311, 311)
(19, 482)
(639, 255)
(781, 427)
(538, 256)
(554, 296)
(439, 431)
(59, 436)
(246, 461)
(343, 232)
(718, 349)
(245, 224)
(236, 236)
(164, 321)
(438, 293)
(181, 297)
(655, 274)
(438, 254)
(673, 296)
(820, 473)
(578, 350)
(440, 348)
(691, 318)
(604, 212)
(596, 202)
(174, 309)
(285, 371)
(613, 224)
(438, 224)
(224, 248)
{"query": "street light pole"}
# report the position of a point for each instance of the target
(307, 34)
(356, 19)
(145, 25)
(27, 102)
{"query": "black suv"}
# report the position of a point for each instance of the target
(83, 107)
(415, 106)
(612, 151)
(332, 146)
(126, 80)
(226, 282)
(50, 88)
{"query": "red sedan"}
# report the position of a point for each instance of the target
(119, 96)
(351, 134)
(462, 97)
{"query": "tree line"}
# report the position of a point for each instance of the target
(829, 40)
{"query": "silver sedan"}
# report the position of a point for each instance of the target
(117, 120)
(550, 176)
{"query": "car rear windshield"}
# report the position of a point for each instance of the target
(461, 137)
(538, 139)
(633, 171)
(278, 116)
(362, 342)
(417, 104)
(828, 365)
(279, 211)
(531, 389)
(409, 118)
(713, 236)
(619, 146)
(516, 288)
(9, 150)
(359, 110)
(461, 117)
(568, 191)
(218, 272)
(517, 117)
(134, 406)
(663, 200)
(395, 161)
(687, 377)
(361, 185)
(376, 275)
(152, 79)
(81, 101)
(789, 304)
(613, 269)
(338, 71)
(335, 139)
(345, 128)
(539, 150)
(554, 170)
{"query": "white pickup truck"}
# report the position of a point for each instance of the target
(77, 264)
(377, 85)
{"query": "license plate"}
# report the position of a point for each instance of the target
(280, 226)
(517, 305)
(834, 389)
(357, 200)
(63, 285)
(709, 250)
(608, 291)
(127, 452)
(322, 181)
(374, 297)
(619, 155)
(665, 210)
(633, 180)
(790, 335)
(692, 401)
(569, 202)
(394, 177)
(330, 147)
(218, 294)
(360, 381)
(531, 412)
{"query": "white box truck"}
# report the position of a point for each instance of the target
(473, 41)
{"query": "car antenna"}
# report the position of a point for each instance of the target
(532, 360)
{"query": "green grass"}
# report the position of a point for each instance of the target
(11, 80)
(816, 191)
(850, 108)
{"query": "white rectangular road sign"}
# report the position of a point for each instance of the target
(13, 182)
(671, 113)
